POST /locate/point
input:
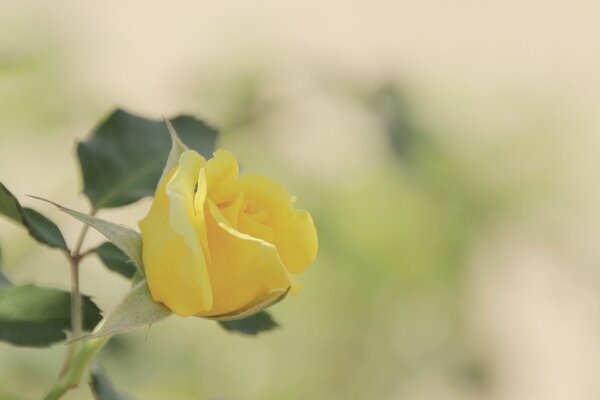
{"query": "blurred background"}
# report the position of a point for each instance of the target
(448, 151)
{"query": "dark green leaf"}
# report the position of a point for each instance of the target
(137, 309)
(36, 317)
(252, 325)
(44, 230)
(9, 206)
(123, 158)
(101, 386)
(4, 282)
(115, 259)
(39, 227)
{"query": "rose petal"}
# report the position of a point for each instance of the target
(257, 305)
(220, 171)
(232, 211)
(264, 190)
(294, 233)
(244, 268)
(173, 258)
(254, 228)
(296, 240)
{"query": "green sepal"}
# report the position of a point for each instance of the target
(137, 309)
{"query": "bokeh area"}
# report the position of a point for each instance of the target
(448, 151)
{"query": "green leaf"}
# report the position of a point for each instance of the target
(101, 386)
(115, 259)
(37, 317)
(39, 227)
(125, 238)
(252, 325)
(123, 158)
(137, 309)
(4, 282)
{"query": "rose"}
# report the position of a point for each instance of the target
(219, 245)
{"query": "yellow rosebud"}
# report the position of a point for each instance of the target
(222, 246)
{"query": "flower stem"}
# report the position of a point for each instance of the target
(72, 376)
(76, 311)
(78, 355)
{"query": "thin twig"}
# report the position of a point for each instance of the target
(76, 311)
(76, 308)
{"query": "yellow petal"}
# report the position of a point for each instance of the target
(200, 219)
(254, 228)
(259, 304)
(294, 233)
(244, 269)
(180, 191)
(296, 240)
(173, 258)
(231, 211)
(221, 170)
(264, 190)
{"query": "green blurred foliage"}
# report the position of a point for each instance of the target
(34, 86)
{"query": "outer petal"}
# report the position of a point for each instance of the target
(294, 233)
(297, 241)
(173, 258)
(245, 269)
(270, 298)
